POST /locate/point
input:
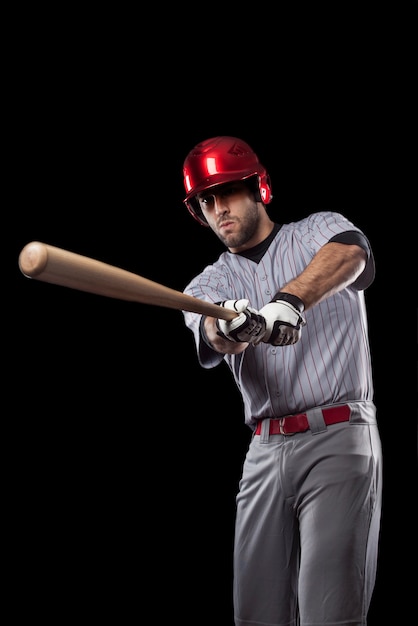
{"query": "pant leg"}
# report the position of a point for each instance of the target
(266, 547)
(338, 506)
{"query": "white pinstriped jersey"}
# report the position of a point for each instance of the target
(331, 363)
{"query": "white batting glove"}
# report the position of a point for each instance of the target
(249, 326)
(284, 320)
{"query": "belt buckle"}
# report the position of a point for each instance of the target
(281, 427)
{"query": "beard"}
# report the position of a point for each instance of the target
(247, 228)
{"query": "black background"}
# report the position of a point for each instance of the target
(125, 454)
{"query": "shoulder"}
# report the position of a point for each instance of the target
(325, 223)
(323, 227)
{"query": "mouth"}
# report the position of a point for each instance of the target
(225, 224)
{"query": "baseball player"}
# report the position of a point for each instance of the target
(309, 501)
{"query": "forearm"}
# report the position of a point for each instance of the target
(333, 268)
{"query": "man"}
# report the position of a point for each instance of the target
(309, 502)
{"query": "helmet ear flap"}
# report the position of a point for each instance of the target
(261, 187)
(193, 207)
(264, 186)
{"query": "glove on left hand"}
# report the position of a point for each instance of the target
(283, 320)
(249, 326)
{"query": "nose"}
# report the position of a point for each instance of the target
(219, 205)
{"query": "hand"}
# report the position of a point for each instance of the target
(249, 326)
(283, 320)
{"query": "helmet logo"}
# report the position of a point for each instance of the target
(238, 150)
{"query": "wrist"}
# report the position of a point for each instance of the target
(291, 299)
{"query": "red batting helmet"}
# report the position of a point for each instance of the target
(222, 160)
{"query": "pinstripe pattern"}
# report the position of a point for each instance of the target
(330, 364)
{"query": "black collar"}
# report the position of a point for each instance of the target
(257, 253)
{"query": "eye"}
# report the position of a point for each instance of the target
(207, 201)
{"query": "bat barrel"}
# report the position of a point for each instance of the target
(33, 259)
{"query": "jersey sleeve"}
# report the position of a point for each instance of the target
(207, 357)
(210, 285)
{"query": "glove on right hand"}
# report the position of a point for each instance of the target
(283, 320)
(248, 326)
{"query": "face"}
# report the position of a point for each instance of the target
(232, 213)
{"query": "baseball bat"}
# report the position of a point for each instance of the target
(61, 267)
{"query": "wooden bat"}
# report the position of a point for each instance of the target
(61, 267)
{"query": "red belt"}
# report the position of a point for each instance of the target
(299, 423)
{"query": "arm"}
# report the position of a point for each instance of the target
(334, 267)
